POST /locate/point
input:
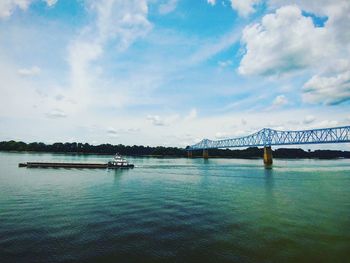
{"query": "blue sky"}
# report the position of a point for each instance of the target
(171, 72)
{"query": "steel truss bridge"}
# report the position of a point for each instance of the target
(269, 137)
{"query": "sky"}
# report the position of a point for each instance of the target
(171, 72)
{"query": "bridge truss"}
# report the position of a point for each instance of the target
(269, 137)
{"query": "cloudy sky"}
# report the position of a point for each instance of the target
(171, 72)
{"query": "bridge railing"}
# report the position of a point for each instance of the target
(269, 137)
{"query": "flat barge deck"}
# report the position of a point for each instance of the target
(63, 165)
(70, 165)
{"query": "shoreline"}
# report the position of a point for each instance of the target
(177, 156)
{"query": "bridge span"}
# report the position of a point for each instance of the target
(269, 137)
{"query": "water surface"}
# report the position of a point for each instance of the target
(175, 210)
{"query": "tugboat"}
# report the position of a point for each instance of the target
(119, 162)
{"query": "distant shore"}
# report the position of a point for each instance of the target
(160, 151)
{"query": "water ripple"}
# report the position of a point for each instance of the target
(176, 210)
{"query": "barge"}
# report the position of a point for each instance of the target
(118, 162)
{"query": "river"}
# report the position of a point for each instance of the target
(174, 210)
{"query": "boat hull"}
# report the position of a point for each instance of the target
(115, 166)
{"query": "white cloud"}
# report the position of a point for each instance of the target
(119, 20)
(279, 101)
(29, 71)
(212, 2)
(326, 124)
(115, 132)
(131, 130)
(51, 2)
(191, 115)
(216, 46)
(112, 132)
(337, 12)
(156, 120)
(168, 120)
(118, 23)
(309, 119)
(81, 54)
(225, 63)
(221, 135)
(284, 41)
(59, 97)
(168, 7)
(7, 7)
(244, 7)
(56, 113)
(234, 134)
(315, 6)
(332, 89)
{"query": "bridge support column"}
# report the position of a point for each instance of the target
(267, 155)
(189, 154)
(205, 154)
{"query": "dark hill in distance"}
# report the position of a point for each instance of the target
(160, 151)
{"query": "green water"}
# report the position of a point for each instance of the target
(175, 210)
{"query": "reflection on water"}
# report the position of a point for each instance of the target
(175, 210)
(269, 184)
(117, 174)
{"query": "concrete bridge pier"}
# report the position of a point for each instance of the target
(205, 154)
(268, 155)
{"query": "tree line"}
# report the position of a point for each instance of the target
(139, 150)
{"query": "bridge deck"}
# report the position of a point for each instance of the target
(269, 137)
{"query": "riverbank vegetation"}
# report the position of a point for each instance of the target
(85, 148)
